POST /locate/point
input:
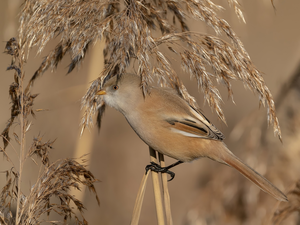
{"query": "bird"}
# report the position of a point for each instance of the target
(170, 125)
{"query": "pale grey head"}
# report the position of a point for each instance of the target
(123, 93)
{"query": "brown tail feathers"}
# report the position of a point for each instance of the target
(265, 185)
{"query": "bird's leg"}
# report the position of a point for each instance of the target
(157, 168)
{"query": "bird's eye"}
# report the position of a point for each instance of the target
(115, 87)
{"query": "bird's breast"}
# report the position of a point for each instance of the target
(158, 134)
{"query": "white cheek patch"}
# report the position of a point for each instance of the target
(109, 101)
(184, 133)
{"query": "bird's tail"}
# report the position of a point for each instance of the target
(230, 159)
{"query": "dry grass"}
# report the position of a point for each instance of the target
(134, 32)
(131, 41)
(55, 179)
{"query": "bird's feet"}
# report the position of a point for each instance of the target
(157, 168)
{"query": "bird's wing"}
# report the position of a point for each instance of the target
(184, 118)
(188, 121)
(216, 134)
(194, 128)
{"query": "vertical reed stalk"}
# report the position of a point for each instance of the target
(22, 144)
(157, 191)
(165, 191)
(139, 201)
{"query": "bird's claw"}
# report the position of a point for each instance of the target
(157, 168)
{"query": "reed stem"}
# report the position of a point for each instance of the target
(157, 191)
(165, 191)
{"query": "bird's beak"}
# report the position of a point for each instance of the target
(101, 92)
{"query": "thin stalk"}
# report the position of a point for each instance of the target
(22, 148)
(139, 201)
(157, 191)
(165, 191)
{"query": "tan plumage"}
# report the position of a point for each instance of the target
(168, 124)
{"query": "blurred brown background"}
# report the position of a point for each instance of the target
(203, 192)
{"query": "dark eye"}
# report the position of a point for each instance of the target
(115, 87)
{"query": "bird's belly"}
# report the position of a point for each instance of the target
(169, 143)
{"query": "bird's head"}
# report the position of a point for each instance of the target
(123, 93)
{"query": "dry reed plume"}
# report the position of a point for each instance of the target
(130, 29)
(55, 179)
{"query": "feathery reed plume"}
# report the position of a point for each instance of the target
(12, 48)
(55, 179)
(7, 196)
(135, 45)
(128, 28)
(41, 149)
